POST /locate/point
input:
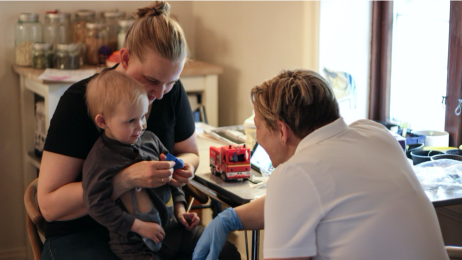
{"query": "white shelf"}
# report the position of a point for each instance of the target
(34, 160)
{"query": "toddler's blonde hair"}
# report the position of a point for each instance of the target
(106, 90)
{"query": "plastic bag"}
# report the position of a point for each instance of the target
(444, 173)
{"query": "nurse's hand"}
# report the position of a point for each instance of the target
(215, 234)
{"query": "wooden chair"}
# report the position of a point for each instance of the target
(454, 252)
(34, 219)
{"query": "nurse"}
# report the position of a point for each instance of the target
(333, 194)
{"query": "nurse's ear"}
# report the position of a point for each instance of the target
(100, 121)
(286, 135)
(124, 57)
(284, 131)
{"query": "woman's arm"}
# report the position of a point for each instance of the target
(59, 196)
(187, 151)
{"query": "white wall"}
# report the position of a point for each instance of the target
(253, 41)
(12, 214)
(344, 45)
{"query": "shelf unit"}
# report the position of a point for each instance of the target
(198, 78)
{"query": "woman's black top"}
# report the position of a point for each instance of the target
(73, 133)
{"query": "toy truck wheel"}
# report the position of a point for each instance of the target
(213, 169)
(224, 177)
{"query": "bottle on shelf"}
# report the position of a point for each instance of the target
(250, 131)
(79, 29)
(28, 30)
(96, 38)
(82, 17)
(42, 55)
(57, 28)
(111, 18)
(124, 25)
(67, 56)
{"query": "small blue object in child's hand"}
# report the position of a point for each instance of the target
(178, 162)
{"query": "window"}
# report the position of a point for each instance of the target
(419, 58)
(381, 63)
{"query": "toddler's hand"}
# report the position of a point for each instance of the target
(150, 230)
(189, 220)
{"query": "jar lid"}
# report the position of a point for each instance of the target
(42, 46)
(85, 13)
(113, 14)
(58, 16)
(96, 25)
(126, 23)
(28, 17)
(67, 46)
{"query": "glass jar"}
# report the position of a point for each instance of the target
(124, 25)
(42, 55)
(57, 28)
(79, 29)
(96, 39)
(111, 18)
(79, 25)
(28, 30)
(67, 56)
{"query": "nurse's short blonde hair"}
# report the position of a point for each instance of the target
(302, 99)
(107, 89)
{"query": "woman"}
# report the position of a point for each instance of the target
(154, 53)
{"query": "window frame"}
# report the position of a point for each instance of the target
(380, 68)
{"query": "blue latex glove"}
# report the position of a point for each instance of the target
(215, 234)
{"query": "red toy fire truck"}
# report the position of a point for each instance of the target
(231, 162)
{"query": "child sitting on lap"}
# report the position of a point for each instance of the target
(118, 105)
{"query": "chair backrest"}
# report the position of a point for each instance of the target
(454, 252)
(34, 219)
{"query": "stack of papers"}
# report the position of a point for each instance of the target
(66, 75)
(228, 134)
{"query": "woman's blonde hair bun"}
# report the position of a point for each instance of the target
(154, 9)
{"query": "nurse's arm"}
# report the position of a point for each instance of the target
(251, 214)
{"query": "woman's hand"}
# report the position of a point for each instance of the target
(152, 174)
(189, 220)
(145, 174)
(150, 230)
(182, 176)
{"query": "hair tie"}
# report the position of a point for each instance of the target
(155, 10)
